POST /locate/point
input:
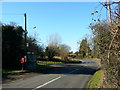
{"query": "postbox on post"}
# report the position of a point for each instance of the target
(22, 61)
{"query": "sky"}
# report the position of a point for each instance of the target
(69, 20)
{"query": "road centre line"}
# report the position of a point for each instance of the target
(53, 80)
(47, 82)
(73, 71)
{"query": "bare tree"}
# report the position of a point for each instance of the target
(54, 40)
(64, 51)
(52, 49)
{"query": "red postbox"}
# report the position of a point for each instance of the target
(22, 60)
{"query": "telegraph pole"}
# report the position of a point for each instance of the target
(25, 37)
(110, 21)
(119, 11)
(109, 11)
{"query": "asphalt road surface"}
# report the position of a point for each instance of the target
(66, 76)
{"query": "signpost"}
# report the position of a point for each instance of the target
(31, 63)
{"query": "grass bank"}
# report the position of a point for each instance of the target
(39, 68)
(96, 80)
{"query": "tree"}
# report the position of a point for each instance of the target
(41, 51)
(77, 52)
(101, 39)
(32, 45)
(54, 40)
(51, 51)
(12, 43)
(64, 51)
(107, 45)
(84, 49)
(53, 46)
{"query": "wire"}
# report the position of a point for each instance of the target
(11, 13)
(96, 7)
(99, 15)
(94, 11)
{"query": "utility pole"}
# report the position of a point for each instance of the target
(119, 11)
(29, 63)
(110, 21)
(25, 37)
(109, 11)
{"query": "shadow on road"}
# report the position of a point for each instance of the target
(84, 68)
(72, 69)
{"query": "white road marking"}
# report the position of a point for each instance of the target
(47, 82)
(73, 71)
(53, 80)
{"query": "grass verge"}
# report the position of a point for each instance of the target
(75, 60)
(39, 68)
(48, 62)
(96, 80)
(13, 72)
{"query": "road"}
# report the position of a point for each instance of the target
(66, 76)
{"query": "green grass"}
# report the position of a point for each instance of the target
(7, 72)
(39, 68)
(96, 80)
(48, 62)
(74, 60)
(13, 71)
